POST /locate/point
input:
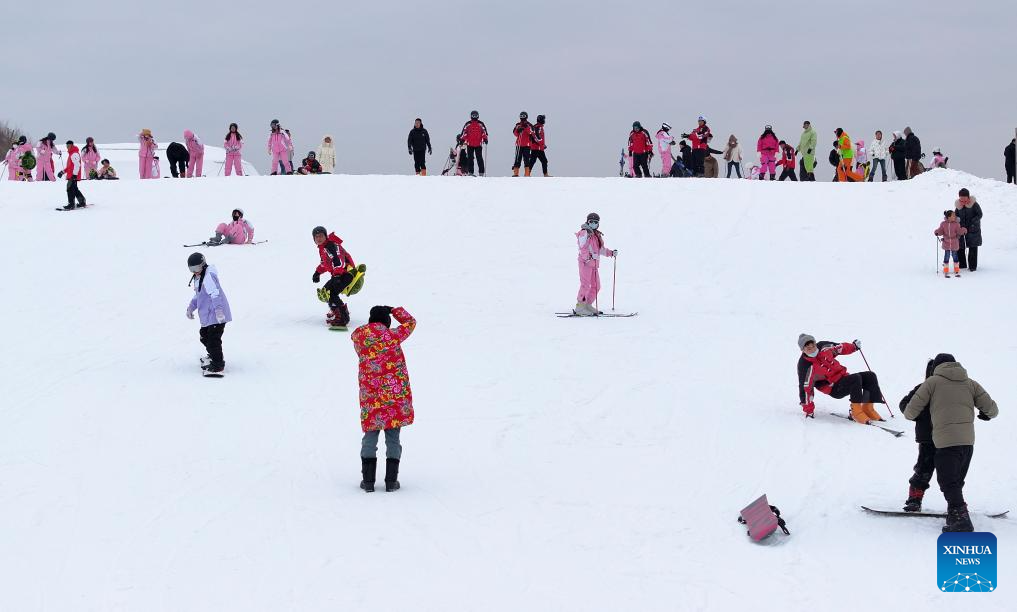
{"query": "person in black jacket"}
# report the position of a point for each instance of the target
(926, 464)
(417, 142)
(178, 157)
(913, 153)
(898, 149)
(1010, 161)
(310, 164)
(970, 215)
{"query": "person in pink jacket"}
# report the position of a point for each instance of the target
(44, 158)
(146, 154)
(591, 248)
(278, 147)
(664, 142)
(951, 231)
(18, 173)
(767, 147)
(233, 143)
(196, 151)
(239, 231)
(13, 162)
(90, 158)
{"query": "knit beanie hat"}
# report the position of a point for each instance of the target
(941, 359)
(804, 339)
(381, 314)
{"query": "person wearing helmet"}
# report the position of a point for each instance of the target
(44, 158)
(238, 231)
(195, 153)
(90, 159)
(233, 143)
(338, 263)
(279, 145)
(17, 171)
(641, 149)
(474, 134)
(664, 143)
(523, 131)
(538, 144)
(310, 164)
(147, 147)
(700, 138)
(591, 249)
(213, 312)
(767, 147)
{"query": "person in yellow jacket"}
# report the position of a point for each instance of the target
(847, 155)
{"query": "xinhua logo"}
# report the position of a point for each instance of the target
(967, 562)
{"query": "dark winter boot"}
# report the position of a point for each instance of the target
(914, 502)
(391, 475)
(368, 467)
(957, 519)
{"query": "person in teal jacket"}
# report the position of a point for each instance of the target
(807, 150)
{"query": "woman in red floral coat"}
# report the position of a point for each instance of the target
(386, 402)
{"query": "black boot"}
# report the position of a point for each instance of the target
(957, 519)
(368, 467)
(391, 475)
(914, 502)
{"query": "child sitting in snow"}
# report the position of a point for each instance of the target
(239, 231)
(861, 159)
(938, 161)
(106, 172)
(310, 164)
(951, 231)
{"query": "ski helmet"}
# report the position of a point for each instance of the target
(195, 262)
(22, 140)
(665, 127)
(274, 123)
(636, 125)
(936, 151)
(524, 115)
(474, 115)
(767, 127)
(541, 118)
(319, 230)
(702, 118)
(311, 154)
(593, 217)
(239, 210)
(51, 136)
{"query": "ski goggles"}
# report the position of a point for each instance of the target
(195, 268)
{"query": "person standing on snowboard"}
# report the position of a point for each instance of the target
(338, 263)
(213, 310)
(818, 368)
(591, 248)
(925, 465)
(73, 173)
(951, 399)
(386, 402)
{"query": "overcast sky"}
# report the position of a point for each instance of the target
(362, 71)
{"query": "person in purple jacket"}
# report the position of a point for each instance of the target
(213, 311)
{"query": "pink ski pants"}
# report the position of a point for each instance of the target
(281, 156)
(145, 167)
(194, 165)
(589, 281)
(233, 162)
(767, 163)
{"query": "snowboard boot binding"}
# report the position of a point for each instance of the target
(391, 475)
(339, 316)
(958, 519)
(368, 469)
(914, 502)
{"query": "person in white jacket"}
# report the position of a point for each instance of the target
(326, 154)
(733, 156)
(878, 150)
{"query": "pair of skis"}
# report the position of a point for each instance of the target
(206, 244)
(603, 315)
(895, 433)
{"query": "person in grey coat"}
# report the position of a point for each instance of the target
(969, 213)
(951, 399)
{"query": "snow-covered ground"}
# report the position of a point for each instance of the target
(123, 156)
(556, 464)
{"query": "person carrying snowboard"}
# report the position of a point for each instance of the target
(73, 173)
(807, 150)
(767, 147)
(591, 249)
(238, 231)
(641, 149)
(925, 465)
(338, 263)
(951, 399)
(418, 142)
(386, 402)
(950, 230)
(474, 134)
(213, 311)
(818, 368)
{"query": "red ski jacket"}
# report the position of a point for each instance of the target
(522, 132)
(639, 142)
(787, 159)
(474, 133)
(700, 137)
(822, 371)
(538, 143)
(334, 258)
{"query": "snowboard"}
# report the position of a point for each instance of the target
(204, 361)
(62, 209)
(926, 513)
(338, 328)
(610, 315)
(895, 433)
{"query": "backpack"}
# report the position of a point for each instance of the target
(834, 157)
(28, 161)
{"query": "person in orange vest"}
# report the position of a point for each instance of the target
(847, 156)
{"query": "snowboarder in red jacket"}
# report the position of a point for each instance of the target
(338, 263)
(787, 161)
(818, 368)
(640, 148)
(474, 134)
(523, 131)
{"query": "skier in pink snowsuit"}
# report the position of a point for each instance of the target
(13, 162)
(196, 151)
(146, 153)
(240, 231)
(44, 158)
(767, 147)
(279, 145)
(233, 143)
(664, 142)
(90, 158)
(591, 248)
(19, 149)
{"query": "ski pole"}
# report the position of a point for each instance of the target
(882, 397)
(614, 280)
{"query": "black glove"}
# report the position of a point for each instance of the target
(410, 151)
(60, 174)
(316, 277)
(983, 416)
(685, 135)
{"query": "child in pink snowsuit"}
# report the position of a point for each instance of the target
(237, 232)
(19, 173)
(90, 158)
(44, 159)
(664, 142)
(767, 146)
(13, 163)
(591, 248)
(233, 143)
(196, 151)
(146, 154)
(278, 147)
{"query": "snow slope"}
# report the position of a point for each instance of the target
(556, 464)
(123, 156)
